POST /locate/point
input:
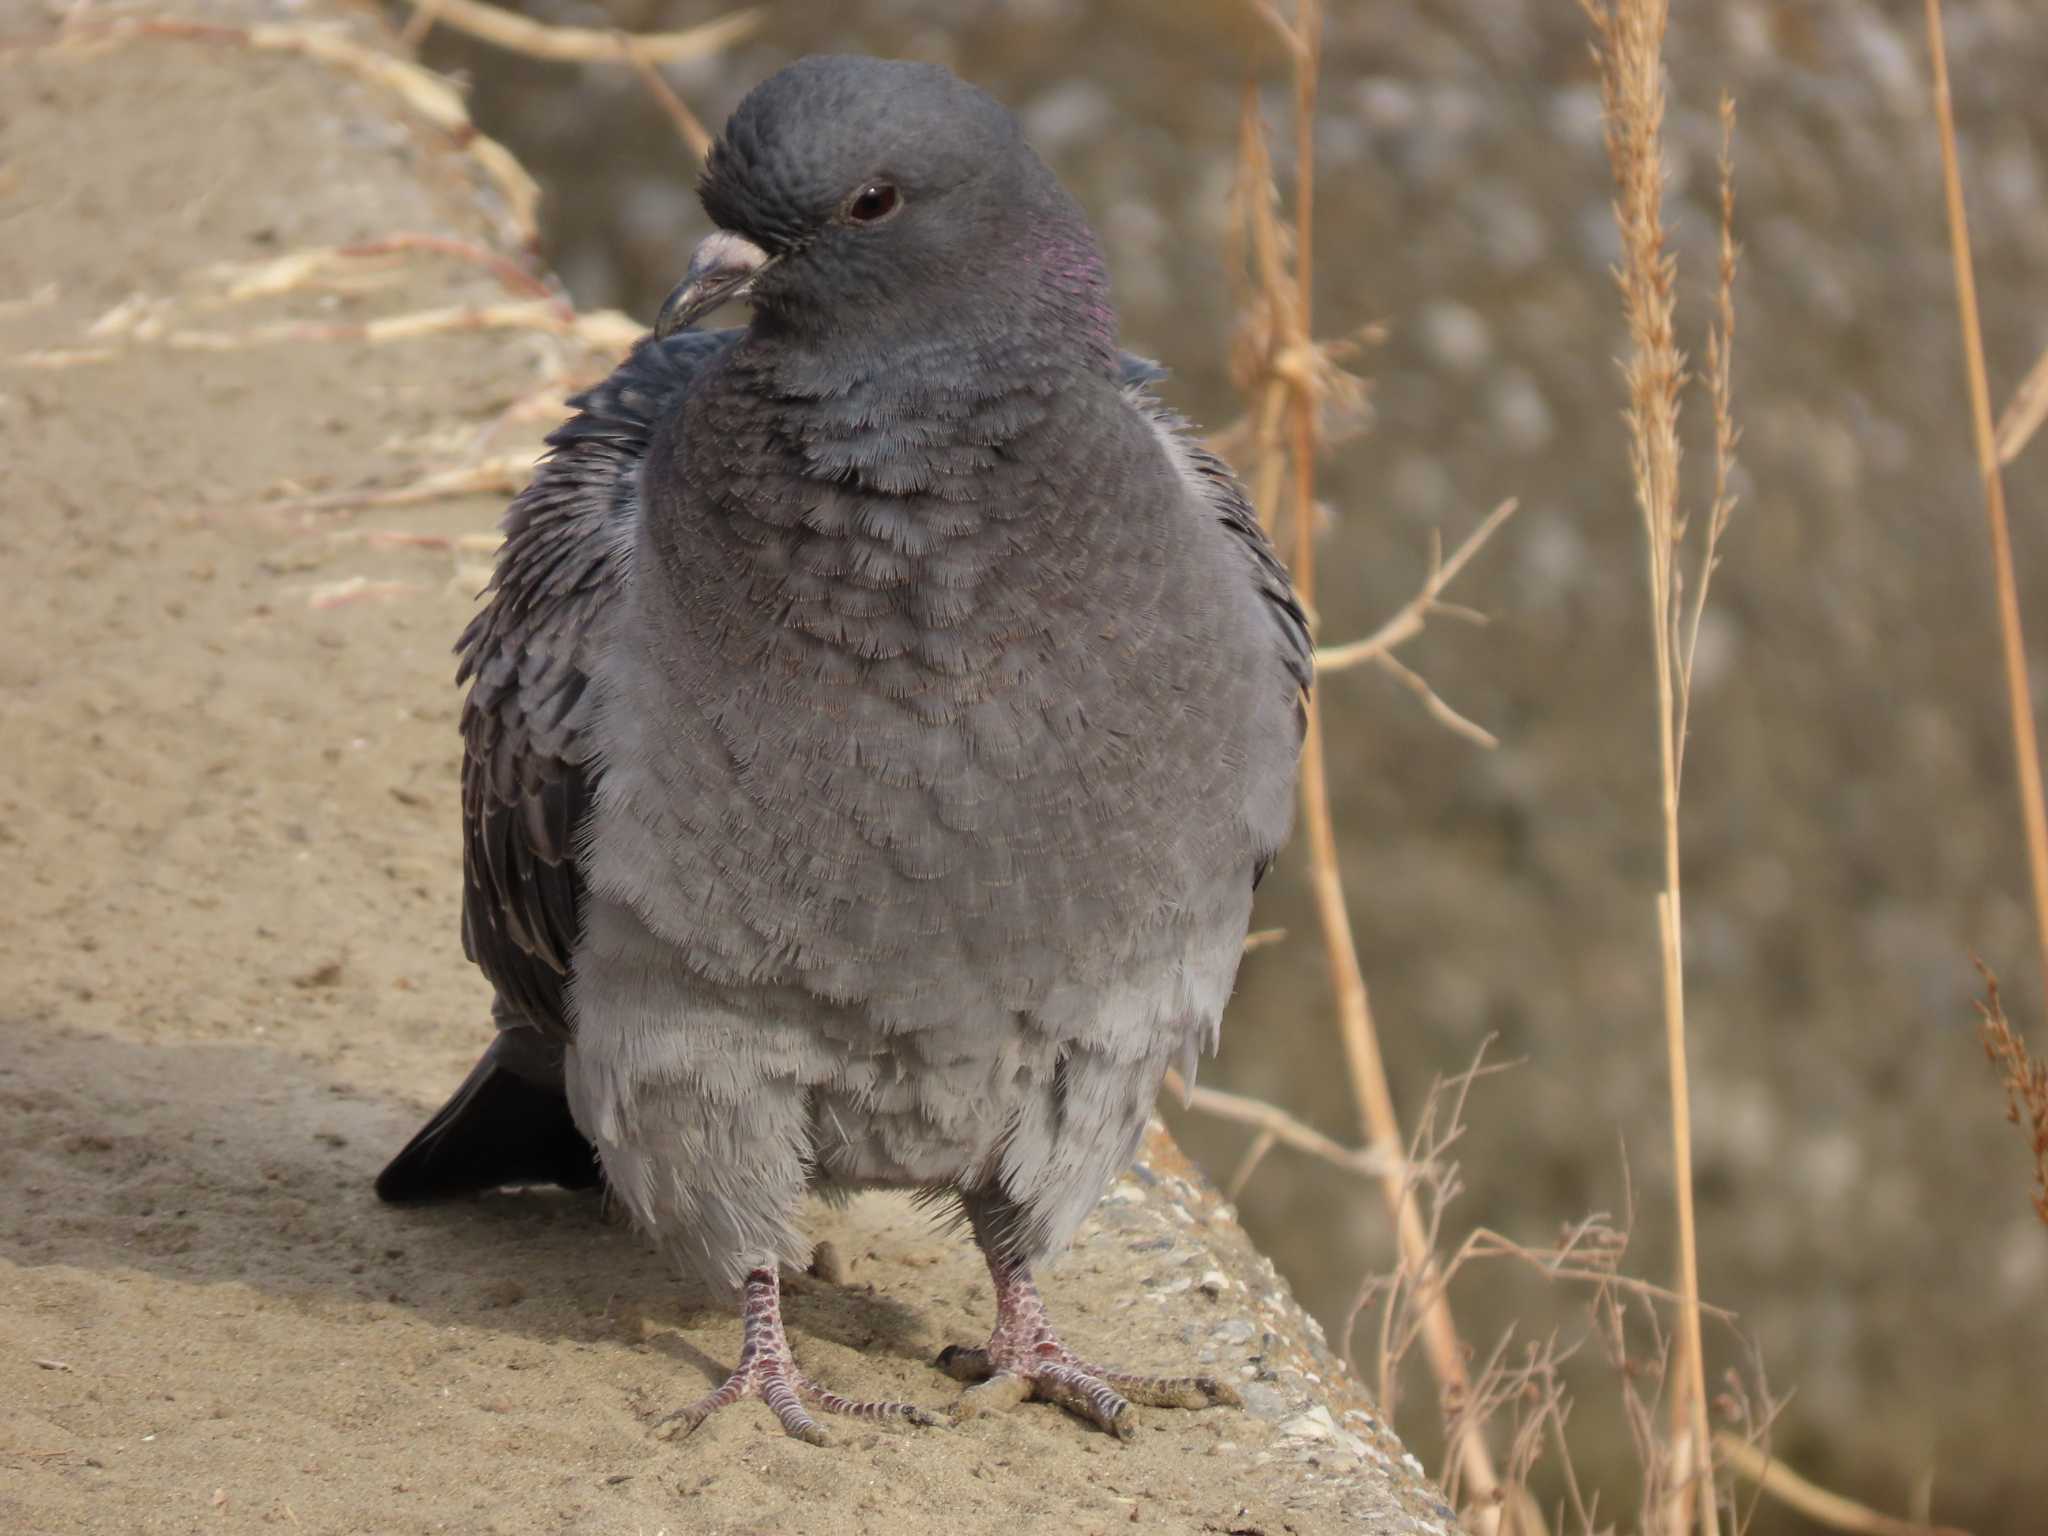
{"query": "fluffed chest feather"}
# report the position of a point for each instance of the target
(868, 745)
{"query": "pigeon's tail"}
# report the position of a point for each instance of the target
(503, 1126)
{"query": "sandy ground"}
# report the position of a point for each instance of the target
(233, 982)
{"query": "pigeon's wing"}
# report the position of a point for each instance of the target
(1275, 590)
(1218, 491)
(1269, 576)
(1225, 496)
(527, 777)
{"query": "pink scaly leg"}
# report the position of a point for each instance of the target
(1024, 1358)
(768, 1371)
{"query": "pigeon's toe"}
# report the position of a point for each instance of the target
(790, 1395)
(1102, 1397)
(1175, 1391)
(769, 1371)
(1024, 1358)
(995, 1393)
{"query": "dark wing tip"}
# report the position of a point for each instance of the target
(499, 1129)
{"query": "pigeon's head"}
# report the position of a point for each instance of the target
(857, 193)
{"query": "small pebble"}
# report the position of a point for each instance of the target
(1315, 1424)
(827, 1264)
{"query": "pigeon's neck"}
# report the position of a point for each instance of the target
(922, 411)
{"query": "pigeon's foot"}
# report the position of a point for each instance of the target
(768, 1371)
(1024, 1358)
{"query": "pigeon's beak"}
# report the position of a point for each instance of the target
(725, 267)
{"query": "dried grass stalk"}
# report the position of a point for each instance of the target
(1727, 436)
(1276, 1127)
(505, 475)
(1813, 1501)
(530, 315)
(1524, 1393)
(2019, 698)
(1629, 50)
(584, 45)
(689, 127)
(1413, 615)
(313, 266)
(1377, 649)
(1293, 380)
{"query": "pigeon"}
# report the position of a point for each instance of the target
(878, 720)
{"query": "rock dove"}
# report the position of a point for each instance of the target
(879, 719)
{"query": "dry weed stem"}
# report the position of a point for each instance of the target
(1813, 1501)
(581, 45)
(1629, 49)
(2019, 698)
(1291, 380)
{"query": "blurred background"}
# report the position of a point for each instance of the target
(1850, 832)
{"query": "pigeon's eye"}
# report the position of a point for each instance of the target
(873, 203)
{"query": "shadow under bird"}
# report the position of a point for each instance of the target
(879, 719)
